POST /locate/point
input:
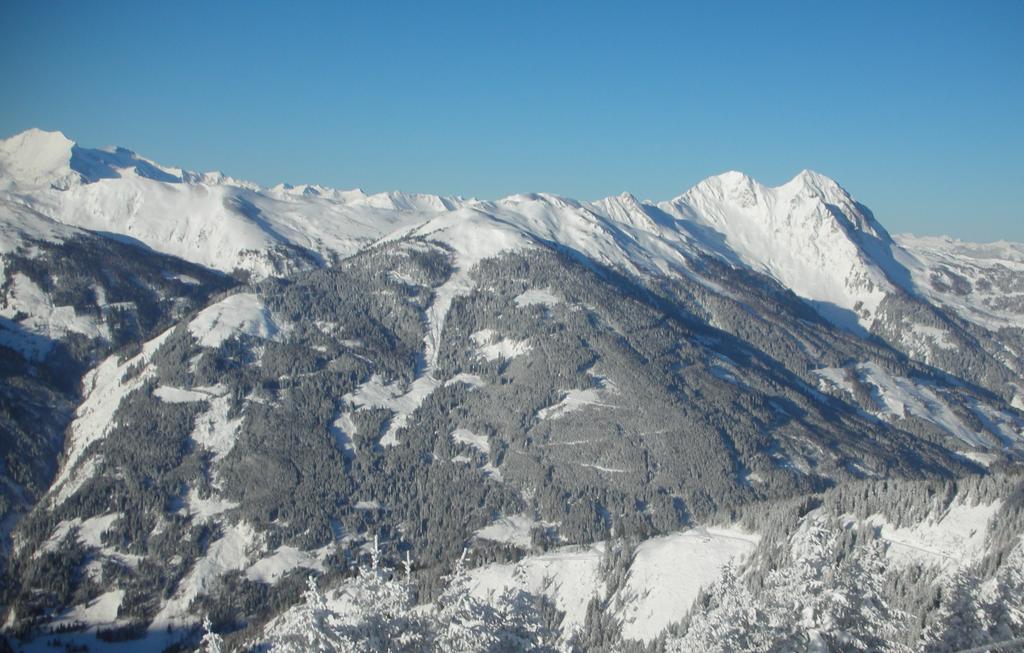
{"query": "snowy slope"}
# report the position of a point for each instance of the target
(982, 282)
(665, 577)
(224, 223)
(207, 218)
(808, 234)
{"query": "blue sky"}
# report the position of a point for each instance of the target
(916, 108)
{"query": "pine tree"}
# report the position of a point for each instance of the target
(211, 642)
(464, 623)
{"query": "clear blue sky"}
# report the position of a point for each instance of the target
(916, 108)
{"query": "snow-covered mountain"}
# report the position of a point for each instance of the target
(251, 384)
(206, 218)
(808, 235)
(983, 283)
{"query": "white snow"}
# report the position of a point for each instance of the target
(830, 377)
(271, 568)
(981, 301)
(202, 510)
(514, 530)
(184, 278)
(60, 533)
(668, 573)
(492, 348)
(479, 442)
(172, 395)
(402, 400)
(537, 296)
(99, 611)
(809, 233)
(607, 470)
(472, 380)
(40, 317)
(105, 387)
(35, 158)
(570, 577)
(343, 429)
(230, 552)
(91, 530)
(1018, 401)
(218, 221)
(983, 459)
(21, 223)
(953, 539)
(897, 397)
(666, 576)
(936, 336)
(572, 401)
(213, 430)
(243, 313)
(900, 396)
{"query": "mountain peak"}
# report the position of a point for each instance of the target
(818, 185)
(37, 139)
(36, 157)
(729, 179)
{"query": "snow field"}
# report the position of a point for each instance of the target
(665, 578)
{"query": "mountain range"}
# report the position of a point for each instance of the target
(212, 389)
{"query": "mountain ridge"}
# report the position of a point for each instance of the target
(303, 370)
(809, 234)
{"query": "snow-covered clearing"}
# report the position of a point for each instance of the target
(214, 430)
(201, 510)
(570, 577)
(479, 442)
(243, 313)
(607, 470)
(472, 380)
(665, 578)
(171, 395)
(572, 401)
(37, 316)
(537, 296)
(491, 347)
(230, 552)
(668, 573)
(955, 538)
(271, 568)
(402, 400)
(343, 429)
(100, 611)
(514, 530)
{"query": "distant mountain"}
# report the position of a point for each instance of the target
(809, 235)
(255, 383)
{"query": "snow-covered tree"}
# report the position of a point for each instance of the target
(814, 603)
(211, 642)
(464, 623)
(375, 612)
(308, 627)
(972, 613)
(727, 625)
